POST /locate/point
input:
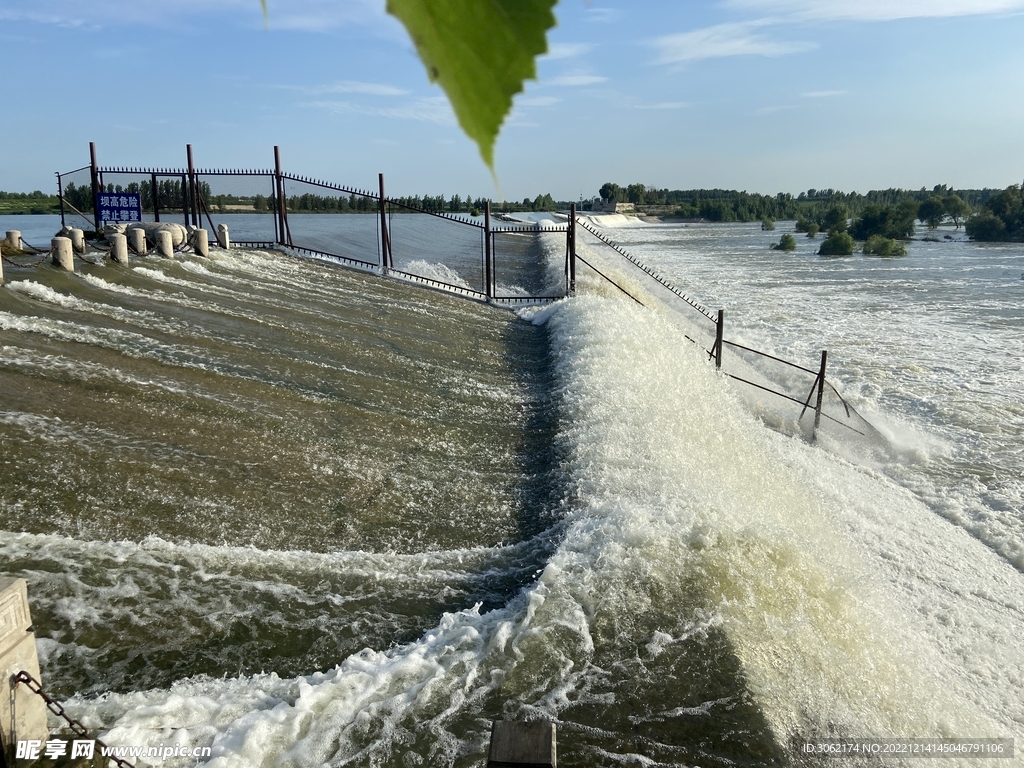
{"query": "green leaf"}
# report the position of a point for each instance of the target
(480, 52)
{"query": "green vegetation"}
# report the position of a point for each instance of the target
(813, 229)
(767, 225)
(1001, 219)
(837, 244)
(786, 243)
(824, 207)
(12, 203)
(876, 245)
(932, 211)
(895, 222)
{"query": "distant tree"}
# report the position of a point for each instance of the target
(876, 245)
(802, 224)
(636, 193)
(932, 211)
(612, 193)
(956, 209)
(894, 222)
(837, 244)
(986, 227)
(786, 243)
(1002, 219)
(835, 219)
(813, 229)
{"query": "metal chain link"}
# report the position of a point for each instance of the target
(11, 261)
(58, 709)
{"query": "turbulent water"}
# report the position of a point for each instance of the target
(306, 516)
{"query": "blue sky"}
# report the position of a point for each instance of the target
(762, 95)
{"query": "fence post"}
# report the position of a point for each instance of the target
(60, 198)
(284, 232)
(719, 328)
(386, 261)
(488, 255)
(95, 181)
(193, 193)
(572, 249)
(156, 205)
(821, 391)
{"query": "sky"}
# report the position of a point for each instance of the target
(763, 95)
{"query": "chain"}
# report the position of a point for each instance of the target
(11, 261)
(58, 709)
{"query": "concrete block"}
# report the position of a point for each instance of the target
(165, 244)
(223, 239)
(118, 248)
(522, 745)
(22, 713)
(138, 240)
(14, 239)
(201, 242)
(62, 254)
(78, 240)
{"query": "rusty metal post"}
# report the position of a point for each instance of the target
(719, 328)
(95, 180)
(488, 253)
(572, 250)
(60, 198)
(282, 208)
(821, 391)
(193, 193)
(386, 259)
(156, 196)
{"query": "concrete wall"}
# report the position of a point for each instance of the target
(22, 713)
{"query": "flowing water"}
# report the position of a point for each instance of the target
(306, 516)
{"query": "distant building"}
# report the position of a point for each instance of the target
(607, 206)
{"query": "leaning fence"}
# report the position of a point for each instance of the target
(804, 393)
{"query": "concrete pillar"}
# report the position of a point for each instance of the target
(165, 244)
(78, 240)
(119, 248)
(138, 241)
(62, 254)
(201, 242)
(223, 239)
(22, 713)
(1, 271)
(14, 239)
(529, 745)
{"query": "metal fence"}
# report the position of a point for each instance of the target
(262, 208)
(499, 260)
(798, 392)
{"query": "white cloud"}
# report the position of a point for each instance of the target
(664, 105)
(537, 101)
(602, 15)
(311, 15)
(771, 110)
(434, 110)
(821, 94)
(351, 86)
(567, 50)
(576, 80)
(877, 10)
(735, 39)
